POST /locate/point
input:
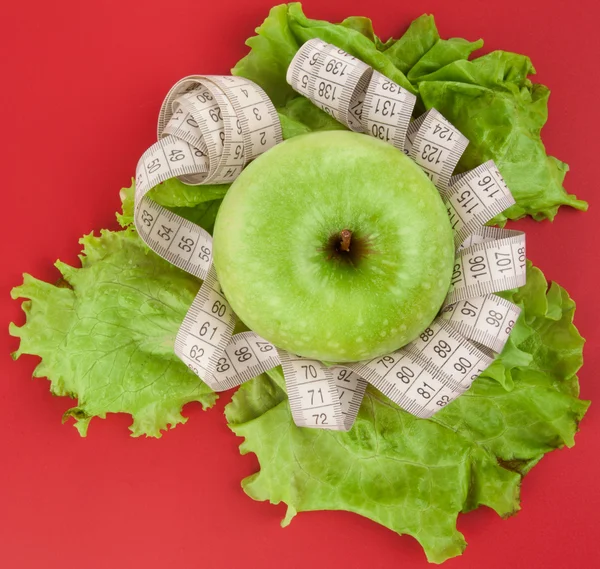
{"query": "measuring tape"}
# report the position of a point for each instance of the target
(436, 146)
(490, 260)
(487, 320)
(350, 91)
(210, 127)
(428, 373)
(475, 197)
(321, 396)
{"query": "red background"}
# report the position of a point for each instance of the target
(81, 86)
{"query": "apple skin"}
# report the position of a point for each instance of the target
(284, 279)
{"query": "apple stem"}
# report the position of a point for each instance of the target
(346, 238)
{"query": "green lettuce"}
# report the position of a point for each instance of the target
(106, 331)
(286, 29)
(501, 112)
(172, 193)
(203, 212)
(415, 476)
(490, 99)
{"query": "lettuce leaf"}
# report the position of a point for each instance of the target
(415, 476)
(106, 332)
(421, 51)
(490, 99)
(501, 112)
(203, 213)
(173, 193)
(286, 29)
(418, 39)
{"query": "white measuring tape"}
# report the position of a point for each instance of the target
(210, 127)
(428, 373)
(349, 90)
(487, 320)
(475, 197)
(490, 260)
(321, 396)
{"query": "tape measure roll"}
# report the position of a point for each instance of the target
(474, 197)
(437, 147)
(386, 110)
(487, 320)
(200, 141)
(332, 79)
(350, 91)
(210, 127)
(488, 264)
(321, 396)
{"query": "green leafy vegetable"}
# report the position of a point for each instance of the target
(490, 99)
(106, 332)
(412, 475)
(501, 112)
(285, 30)
(203, 213)
(420, 37)
(173, 193)
(365, 27)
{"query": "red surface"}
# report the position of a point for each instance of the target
(81, 87)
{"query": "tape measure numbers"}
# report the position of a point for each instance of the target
(210, 127)
(487, 320)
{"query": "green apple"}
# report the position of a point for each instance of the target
(334, 246)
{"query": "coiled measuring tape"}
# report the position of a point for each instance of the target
(210, 127)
